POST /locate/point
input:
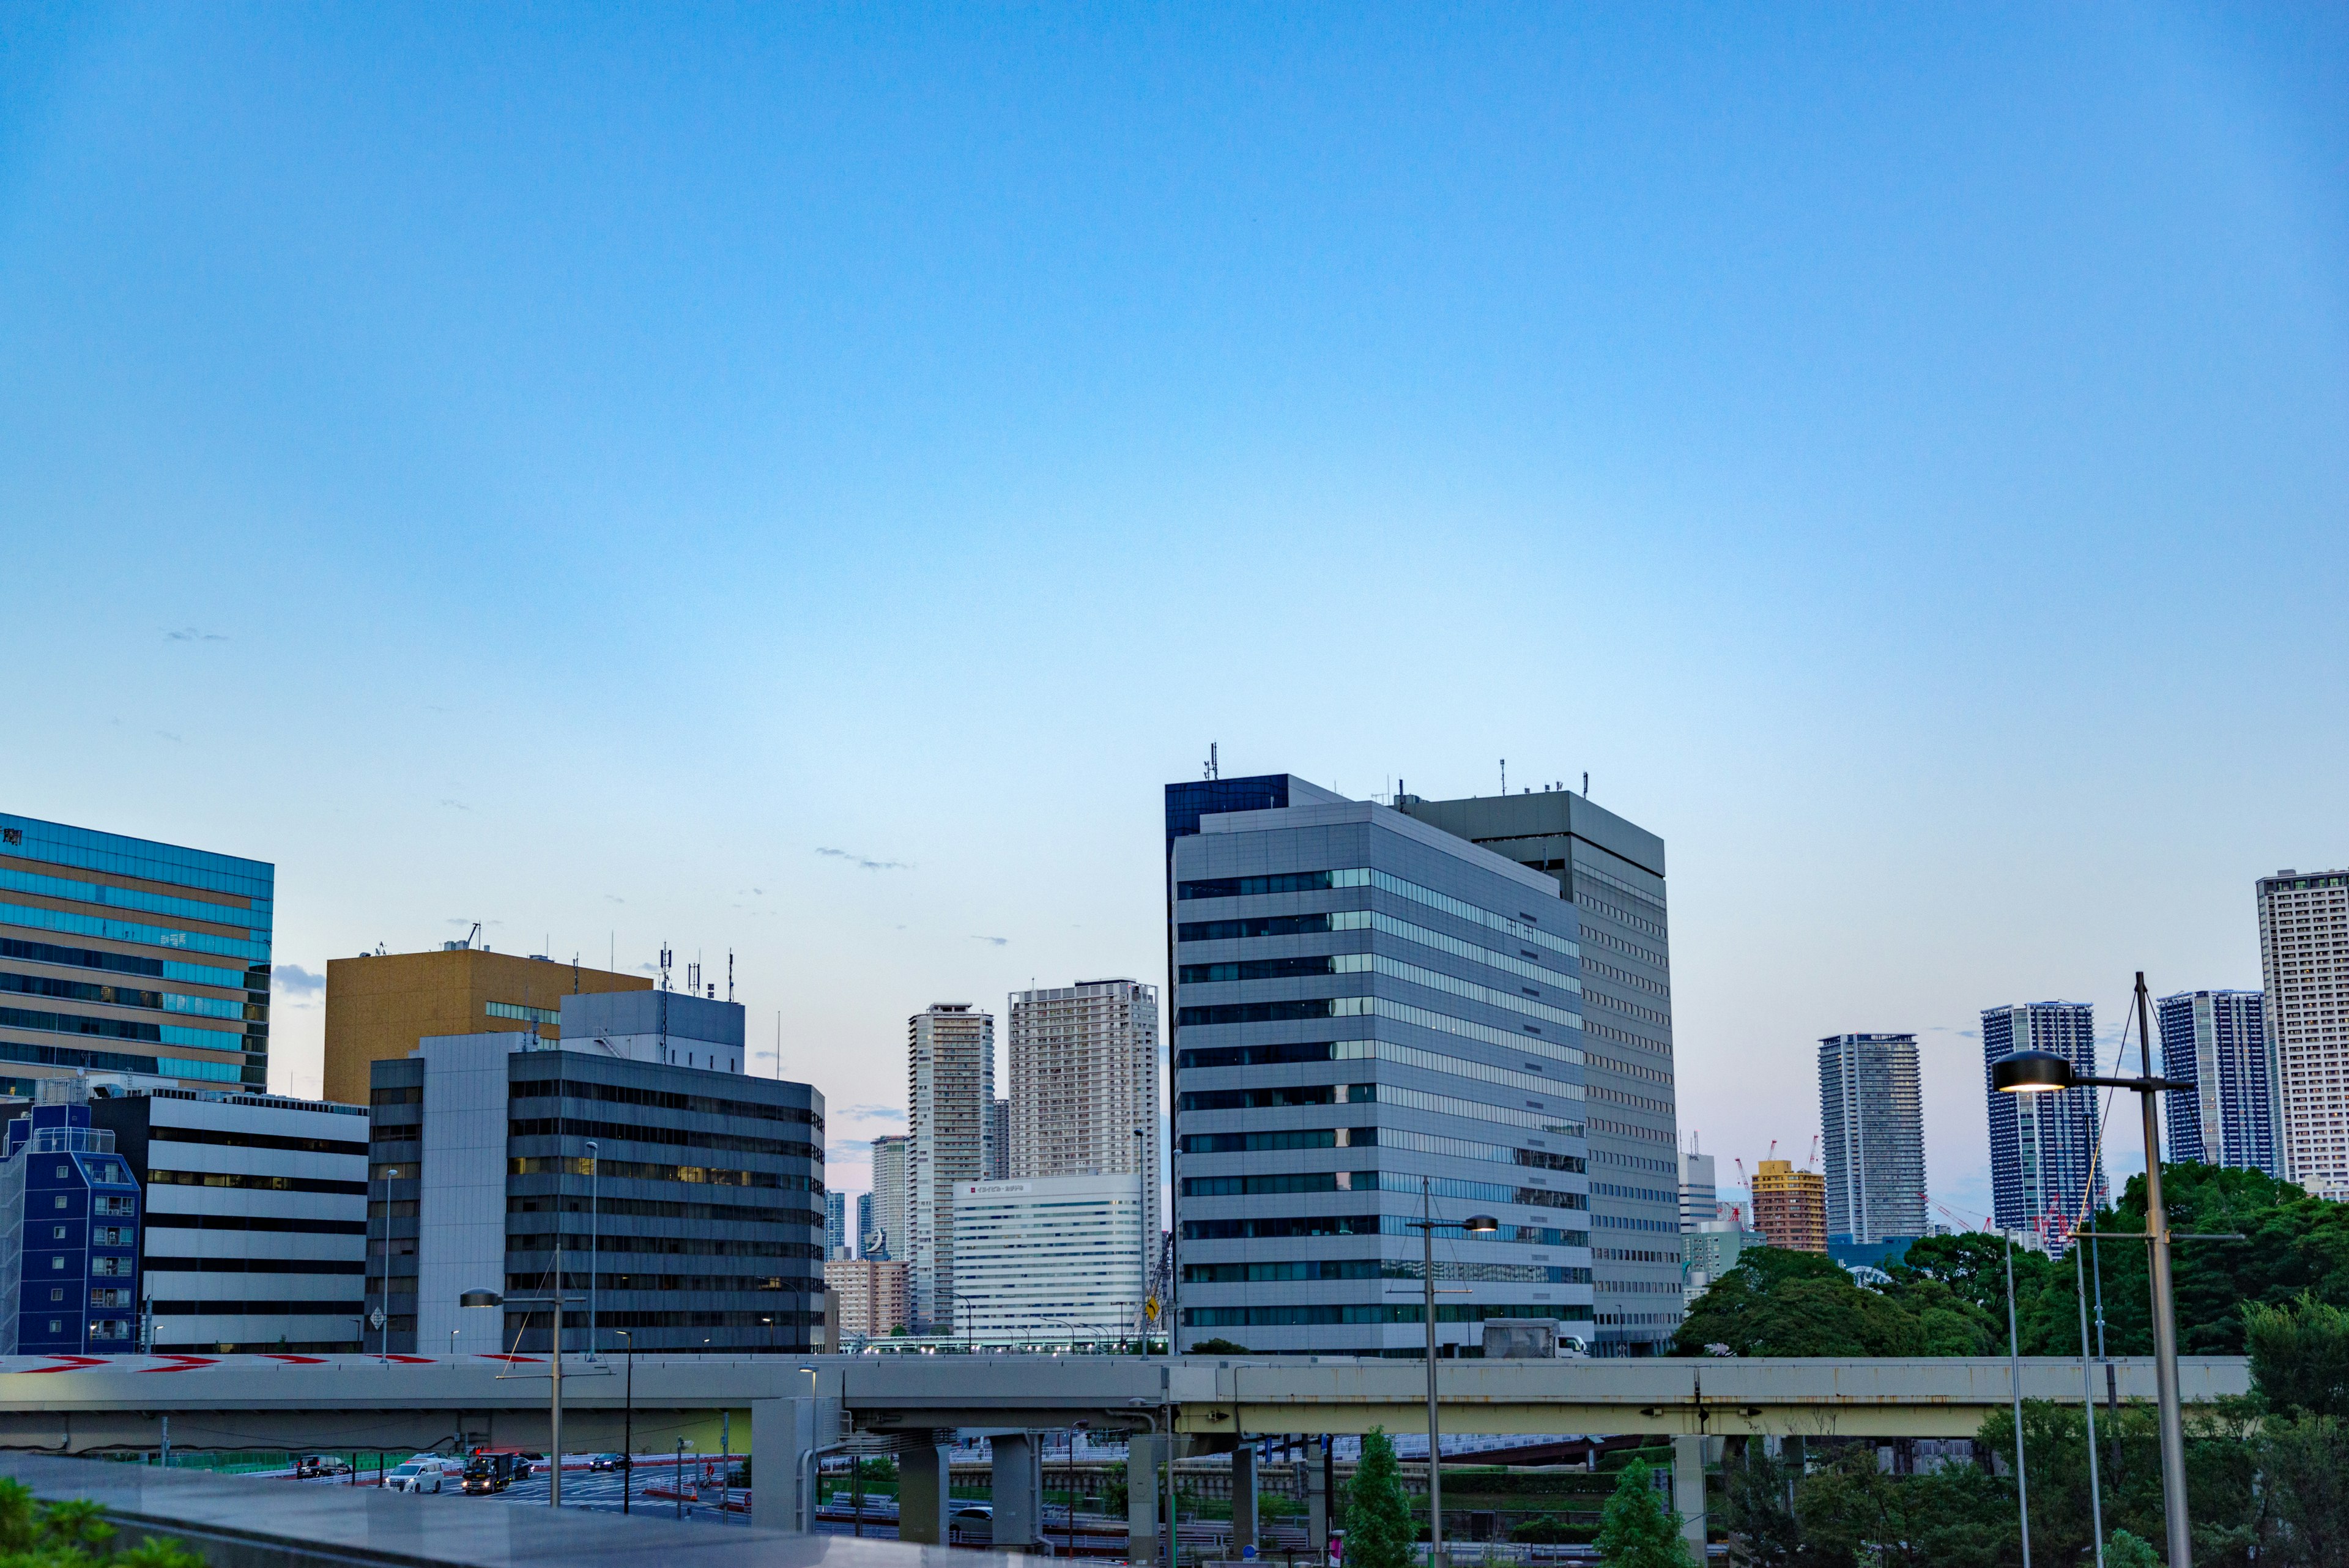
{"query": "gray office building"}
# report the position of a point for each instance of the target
(1873, 1115)
(696, 1222)
(1612, 873)
(1373, 1018)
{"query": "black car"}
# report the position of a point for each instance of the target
(608, 1462)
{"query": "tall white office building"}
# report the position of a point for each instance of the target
(1049, 1258)
(885, 1237)
(949, 1090)
(1699, 1194)
(1084, 1084)
(2305, 964)
(1872, 1110)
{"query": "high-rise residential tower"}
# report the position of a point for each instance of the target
(1612, 872)
(999, 1140)
(835, 1225)
(1873, 1113)
(1084, 1085)
(2043, 1148)
(886, 1239)
(1374, 1020)
(1790, 1206)
(127, 956)
(863, 1237)
(949, 1089)
(2304, 963)
(2217, 1041)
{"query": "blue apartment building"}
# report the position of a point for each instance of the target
(1374, 1020)
(69, 1210)
(2043, 1148)
(2217, 1041)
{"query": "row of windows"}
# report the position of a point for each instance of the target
(1313, 1009)
(254, 1266)
(1528, 929)
(254, 1140)
(1318, 1316)
(1370, 1137)
(1453, 1066)
(253, 1183)
(583, 1243)
(1377, 963)
(1445, 1105)
(644, 1171)
(524, 1014)
(255, 1222)
(273, 1306)
(1289, 1227)
(131, 931)
(1628, 1009)
(1614, 912)
(1465, 1149)
(121, 1029)
(1357, 920)
(86, 958)
(661, 1099)
(1590, 934)
(603, 1282)
(754, 1319)
(663, 1209)
(1624, 977)
(630, 1132)
(256, 919)
(87, 850)
(82, 991)
(1309, 1271)
(1376, 1181)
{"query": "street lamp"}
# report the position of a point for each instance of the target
(555, 1396)
(2044, 1072)
(1476, 1224)
(629, 1424)
(594, 1173)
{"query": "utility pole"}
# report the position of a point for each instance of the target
(2014, 1372)
(2164, 1314)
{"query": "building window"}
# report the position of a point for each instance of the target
(58, 1294)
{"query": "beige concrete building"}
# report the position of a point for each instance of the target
(2305, 967)
(1790, 1207)
(871, 1297)
(1084, 1082)
(379, 1005)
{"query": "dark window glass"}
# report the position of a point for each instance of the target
(1264, 926)
(1250, 887)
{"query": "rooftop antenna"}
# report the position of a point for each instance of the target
(1586, 784)
(729, 974)
(663, 1004)
(574, 972)
(1505, 776)
(1215, 765)
(778, 1044)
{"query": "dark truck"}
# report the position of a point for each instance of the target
(491, 1470)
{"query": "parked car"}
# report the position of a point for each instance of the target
(609, 1463)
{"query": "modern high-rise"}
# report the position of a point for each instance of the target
(256, 1238)
(949, 1090)
(1084, 1084)
(835, 1225)
(378, 1005)
(1375, 1020)
(705, 1188)
(2304, 963)
(886, 1238)
(1612, 872)
(1049, 1259)
(1790, 1207)
(864, 1224)
(1872, 1109)
(124, 955)
(2217, 1041)
(999, 1140)
(1700, 1190)
(2043, 1148)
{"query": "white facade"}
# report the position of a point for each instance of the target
(1049, 1258)
(1699, 1194)
(2304, 965)
(886, 1237)
(462, 1207)
(256, 1234)
(1084, 1084)
(949, 1090)
(665, 1026)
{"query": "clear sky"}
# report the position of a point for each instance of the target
(800, 480)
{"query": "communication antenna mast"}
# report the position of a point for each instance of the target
(1586, 784)
(729, 974)
(1505, 776)
(1215, 769)
(663, 1004)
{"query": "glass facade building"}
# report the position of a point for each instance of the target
(2217, 1041)
(1374, 1020)
(2043, 1159)
(124, 955)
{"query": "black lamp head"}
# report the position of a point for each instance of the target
(2030, 1073)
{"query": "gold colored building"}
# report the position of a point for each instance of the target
(1790, 1207)
(378, 1007)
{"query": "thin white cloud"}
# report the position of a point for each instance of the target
(865, 862)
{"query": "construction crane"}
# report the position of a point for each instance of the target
(1813, 1158)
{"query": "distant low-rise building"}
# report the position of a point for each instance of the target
(872, 1297)
(1710, 1251)
(69, 1221)
(1699, 1190)
(256, 1234)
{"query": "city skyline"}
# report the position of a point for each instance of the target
(1879, 390)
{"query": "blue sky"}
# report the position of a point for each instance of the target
(574, 467)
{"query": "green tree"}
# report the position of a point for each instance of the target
(1758, 1504)
(2128, 1550)
(1218, 1347)
(1635, 1529)
(2299, 1357)
(1779, 1302)
(1380, 1531)
(2304, 1460)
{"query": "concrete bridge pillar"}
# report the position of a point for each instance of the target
(784, 1434)
(924, 1484)
(1317, 1498)
(1018, 1493)
(1688, 1488)
(1146, 1451)
(1244, 1497)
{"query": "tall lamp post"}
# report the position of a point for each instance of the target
(1427, 1225)
(629, 1424)
(595, 1172)
(554, 1397)
(2044, 1072)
